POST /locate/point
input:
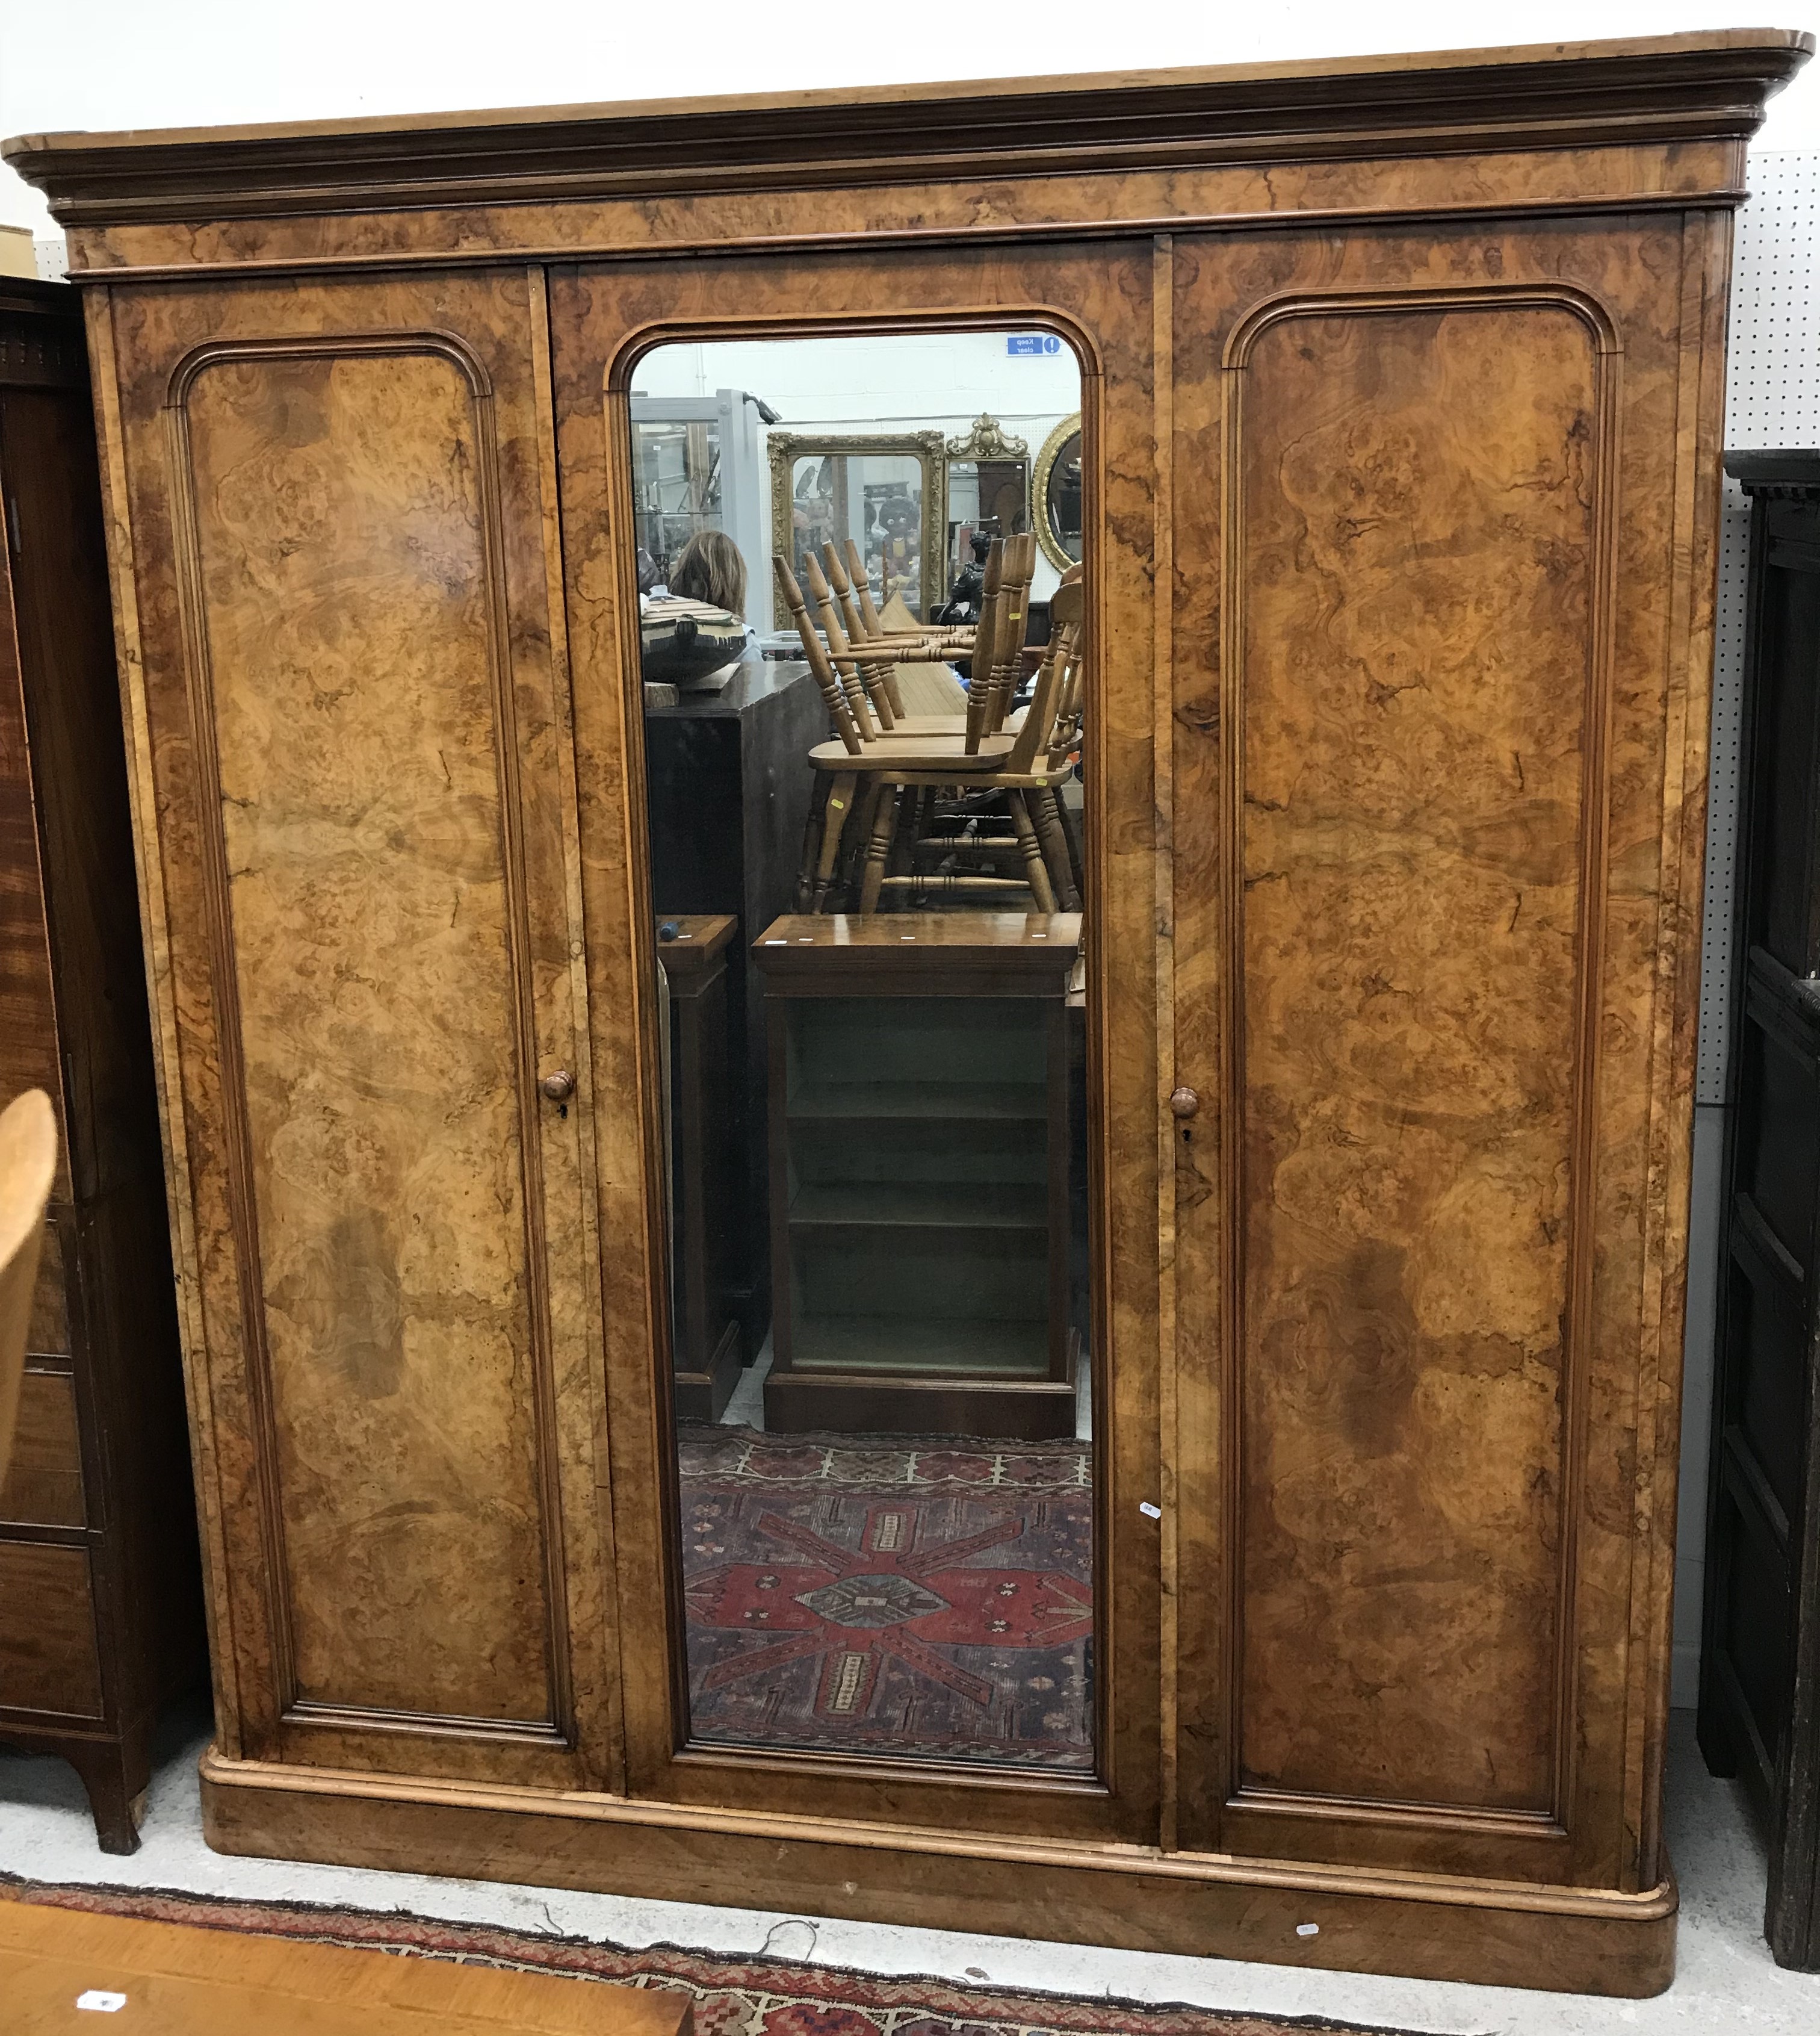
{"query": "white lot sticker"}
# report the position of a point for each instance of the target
(103, 2004)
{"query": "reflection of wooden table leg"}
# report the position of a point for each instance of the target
(879, 844)
(1046, 811)
(1040, 887)
(805, 891)
(834, 816)
(180, 1978)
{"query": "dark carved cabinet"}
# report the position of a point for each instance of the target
(736, 750)
(100, 1610)
(1760, 1680)
(705, 1180)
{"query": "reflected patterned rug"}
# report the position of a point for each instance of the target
(755, 1996)
(930, 1599)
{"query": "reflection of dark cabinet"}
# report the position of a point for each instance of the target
(919, 1156)
(1760, 1678)
(100, 1596)
(740, 751)
(704, 1330)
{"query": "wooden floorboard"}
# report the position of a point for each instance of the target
(180, 1980)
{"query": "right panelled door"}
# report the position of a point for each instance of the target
(1442, 577)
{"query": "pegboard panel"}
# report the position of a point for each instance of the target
(1722, 794)
(1772, 399)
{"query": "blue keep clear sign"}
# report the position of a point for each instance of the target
(1017, 343)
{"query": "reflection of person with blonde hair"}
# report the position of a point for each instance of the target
(711, 568)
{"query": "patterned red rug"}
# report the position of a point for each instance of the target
(929, 1599)
(755, 1996)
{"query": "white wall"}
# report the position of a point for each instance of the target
(157, 63)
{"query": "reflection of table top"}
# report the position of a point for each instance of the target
(926, 954)
(700, 936)
(757, 679)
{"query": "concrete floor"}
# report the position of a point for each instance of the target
(1727, 1979)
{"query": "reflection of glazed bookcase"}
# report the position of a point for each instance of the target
(697, 465)
(919, 1147)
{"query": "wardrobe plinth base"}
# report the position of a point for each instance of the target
(1485, 1932)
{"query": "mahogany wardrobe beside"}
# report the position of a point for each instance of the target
(1401, 396)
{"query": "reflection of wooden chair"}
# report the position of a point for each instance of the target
(859, 762)
(882, 662)
(994, 684)
(863, 777)
(897, 690)
(27, 1163)
(863, 620)
(1029, 778)
(879, 664)
(971, 826)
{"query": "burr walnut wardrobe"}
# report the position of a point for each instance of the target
(1401, 388)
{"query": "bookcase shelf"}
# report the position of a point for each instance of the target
(920, 1155)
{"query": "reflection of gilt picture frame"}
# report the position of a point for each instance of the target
(1062, 445)
(788, 449)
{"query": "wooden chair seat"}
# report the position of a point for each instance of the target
(887, 755)
(923, 727)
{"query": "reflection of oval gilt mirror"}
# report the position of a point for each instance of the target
(1056, 495)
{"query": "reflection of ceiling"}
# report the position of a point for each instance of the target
(880, 382)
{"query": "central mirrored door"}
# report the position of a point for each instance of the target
(862, 918)
(865, 862)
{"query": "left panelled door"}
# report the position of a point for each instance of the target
(350, 705)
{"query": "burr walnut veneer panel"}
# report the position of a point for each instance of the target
(353, 720)
(345, 525)
(1415, 553)
(1438, 804)
(1415, 560)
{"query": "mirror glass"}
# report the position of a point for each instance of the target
(988, 491)
(1058, 488)
(676, 469)
(876, 499)
(867, 847)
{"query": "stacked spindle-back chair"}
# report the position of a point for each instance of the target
(894, 789)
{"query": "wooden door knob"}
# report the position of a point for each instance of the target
(1183, 1101)
(559, 1086)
